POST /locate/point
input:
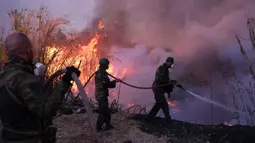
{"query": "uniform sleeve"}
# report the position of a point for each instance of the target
(106, 81)
(45, 106)
(160, 76)
(111, 84)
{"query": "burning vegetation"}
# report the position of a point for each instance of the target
(58, 50)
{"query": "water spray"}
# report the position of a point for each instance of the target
(191, 93)
(216, 103)
(90, 111)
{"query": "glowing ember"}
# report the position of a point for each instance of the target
(170, 103)
(227, 124)
(130, 105)
(100, 25)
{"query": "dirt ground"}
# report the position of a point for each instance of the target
(76, 129)
(135, 129)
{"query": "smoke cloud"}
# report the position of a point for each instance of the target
(200, 35)
(187, 27)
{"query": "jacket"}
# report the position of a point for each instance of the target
(23, 103)
(162, 77)
(102, 83)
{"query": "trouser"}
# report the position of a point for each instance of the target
(104, 114)
(161, 103)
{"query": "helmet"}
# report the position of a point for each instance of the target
(170, 59)
(18, 45)
(104, 62)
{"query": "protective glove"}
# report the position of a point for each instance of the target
(179, 85)
(68, 75)
(169, 95)
(154, 87)
(173, 82)
(117, 80)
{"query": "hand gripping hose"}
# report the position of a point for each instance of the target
(84, 99)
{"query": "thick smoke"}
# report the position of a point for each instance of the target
(199, 33)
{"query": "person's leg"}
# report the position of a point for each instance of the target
(165, 108)
(107, 117)
(102, 109)
(154, 110)
(100, 122)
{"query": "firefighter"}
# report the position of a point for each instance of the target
(24, 106)
(162, 77)
(102, 83)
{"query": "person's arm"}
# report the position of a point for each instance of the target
(112, 84)
(45, 106)
(106, 81)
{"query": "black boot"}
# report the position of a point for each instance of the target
(148, 118)
(108, 127)
(99, 124)
(169, 120)
(99, 128)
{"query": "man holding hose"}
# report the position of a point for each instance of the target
(102, 83)
(24, 107)
(163, 84)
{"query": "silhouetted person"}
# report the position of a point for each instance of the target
(102, 83)
(24, 105)
(162, 77)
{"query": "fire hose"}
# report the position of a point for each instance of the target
(191, 93)
(89, 110)
(84, 99)
(181, 87)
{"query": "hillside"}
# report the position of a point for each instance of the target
(134, 129)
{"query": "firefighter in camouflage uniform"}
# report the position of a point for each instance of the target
(162, 77)
(23, 104)
(102, 83)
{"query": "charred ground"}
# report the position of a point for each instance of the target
(134, 128)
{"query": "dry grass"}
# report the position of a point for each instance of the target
(2, 55)
(240, 91)
(43, 32)
(38, 26)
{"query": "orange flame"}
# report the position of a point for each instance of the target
(87, 54)
(100, 24)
